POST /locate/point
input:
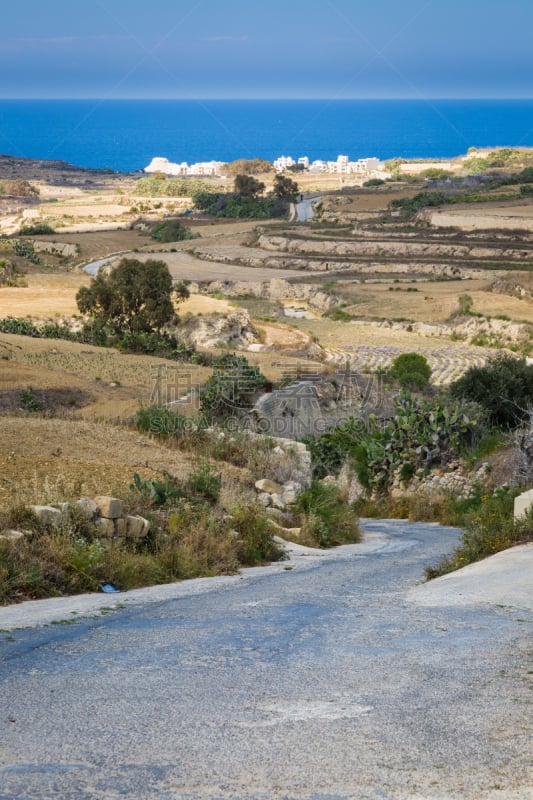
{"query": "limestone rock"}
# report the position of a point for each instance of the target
(523, 503)
(278, 501)
(109, 507)
(120, 527)
(11, 536)
(268, 486)
(285, 533)
(136, 527)
(212, 330)
(88, 506)
(264, 498)
(47, 514)
(106, 527)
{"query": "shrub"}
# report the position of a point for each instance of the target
(327, 519)
(489, 529)
(255, 541)
(411, 370)
(206, 481)
(39, 229)
(330, 450)
(172, 231)
(30, 401)
(410, 205)
(25, 249)
(503, 387)
(231, 388)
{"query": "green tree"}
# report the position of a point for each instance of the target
(136, 297)
(411, 370)
(248, 186)
(285, 187)
(504, 387)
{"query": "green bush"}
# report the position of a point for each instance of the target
(489, 529)
(411, 370)
(206, 481)
(410, 205)
(29, 400)
(172, 231)
(235, 206)
(330, 450)
(255, 539)
(39, 229)
(231, 389)
(503, 387)
(159, 185)
(327, 520)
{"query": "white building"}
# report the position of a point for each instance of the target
(281, 163)
(184, 170)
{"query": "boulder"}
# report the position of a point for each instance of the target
(109, 507)
(522, 504)
(264, 498)
(106, 527)
(88, 506)
(278, 501)
(268, 486)
(136, 527)
(47, 514)
(11, 536)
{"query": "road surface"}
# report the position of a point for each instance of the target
(304, 209)
(323, 681)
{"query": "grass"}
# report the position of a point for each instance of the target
(327, 520)
(487, 530)
(191, 535)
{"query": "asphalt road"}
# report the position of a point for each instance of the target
(304, 209)
(322, 682)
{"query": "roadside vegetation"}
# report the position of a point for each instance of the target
(191, 535)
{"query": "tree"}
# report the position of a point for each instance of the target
(248, 186)
(136, 297)
(504, 387)
(248, 166)
(285, 187)
(411, 370)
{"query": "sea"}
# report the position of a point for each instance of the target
(124, 135)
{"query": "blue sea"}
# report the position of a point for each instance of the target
(125, 135)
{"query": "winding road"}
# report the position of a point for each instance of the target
(318, 678)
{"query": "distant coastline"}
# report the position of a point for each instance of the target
(125, 135)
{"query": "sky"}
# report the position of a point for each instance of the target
(331, 49)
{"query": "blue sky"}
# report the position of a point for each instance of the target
(245, 49)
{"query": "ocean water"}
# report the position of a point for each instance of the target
(125, 135)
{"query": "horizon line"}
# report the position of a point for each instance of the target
(276, 99)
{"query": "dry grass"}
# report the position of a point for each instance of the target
(57, 364)
(53, 460)
(47, 295)
(432, 301)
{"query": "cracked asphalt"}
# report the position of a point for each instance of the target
(314, 680)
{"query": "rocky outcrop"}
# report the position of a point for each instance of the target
(270, 290)
(379, 248)
(274, 495)
(213, 330)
